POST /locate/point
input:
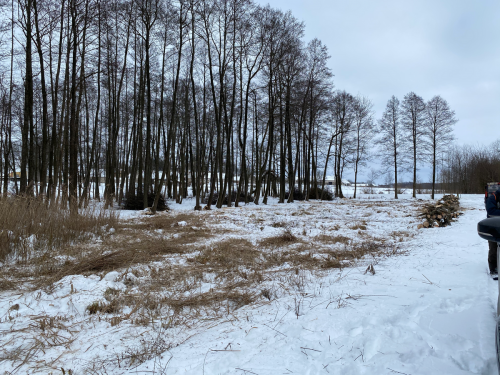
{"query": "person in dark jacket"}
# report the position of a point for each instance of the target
(492, 210)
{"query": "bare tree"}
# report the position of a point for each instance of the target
(362, 132)
(28, 154)
(343, 111)
(391, 142)
(412, 117)
(439, 121)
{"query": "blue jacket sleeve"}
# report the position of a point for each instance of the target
(491, 207)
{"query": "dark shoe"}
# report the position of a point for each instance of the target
(494, 274)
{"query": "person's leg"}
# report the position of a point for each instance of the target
(492, 256)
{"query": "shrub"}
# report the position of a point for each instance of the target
(136, 202)
(297, 195)
(300, 196)
(241, 198)
(214, 199)
(324, 194)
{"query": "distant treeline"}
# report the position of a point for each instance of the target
(421, 186)
(469, 168)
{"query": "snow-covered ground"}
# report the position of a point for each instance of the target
(429, 309)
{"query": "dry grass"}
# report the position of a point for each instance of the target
(279, 224)
(358, 226)
(301, 212)
(400, 236)
(38, 240)
(6, 284)
(234, 267)
(225, 301)
(167, 222)
(126, 254)
(228, 254)
(30, 228)
(147, 348)
(332, 240)
(284, 239)
(317, 259)
(103, 307)
(133, 242)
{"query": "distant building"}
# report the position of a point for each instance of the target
(330, 180)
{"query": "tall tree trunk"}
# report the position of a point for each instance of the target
(73, 142)
(96, 116)
(27, 152)
(45, 115)
(197, 173)
(170, 158)
(55, 145)
(395, 163)
(161, 128)
(8, 135)
(433, 164)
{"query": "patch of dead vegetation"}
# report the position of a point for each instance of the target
(401, 235)
(165, 221)
(6, 284)
(150, 346)
(302, 212)
(31, 229)
(226, 301)
(359, 226)
(132, 242)
(284, 239)
(127, 252)
(103, 307)
(279, 224)
(38, 239)
(234, 267)
(227, 254)
(332, 240)
(317, 259)
(43, 332)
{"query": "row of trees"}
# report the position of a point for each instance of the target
(415, 131)
(198, 94)
(469, 168)
(222, 97)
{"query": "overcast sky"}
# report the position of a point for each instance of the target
(381, 48)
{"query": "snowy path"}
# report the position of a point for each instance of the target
(428, 312)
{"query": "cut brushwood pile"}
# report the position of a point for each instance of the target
(440, 214)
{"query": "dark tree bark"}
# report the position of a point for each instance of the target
(412, 117)
(439, 121)
(391, 142)
(73, 125)
(27, 153)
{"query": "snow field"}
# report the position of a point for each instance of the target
(428, 310)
